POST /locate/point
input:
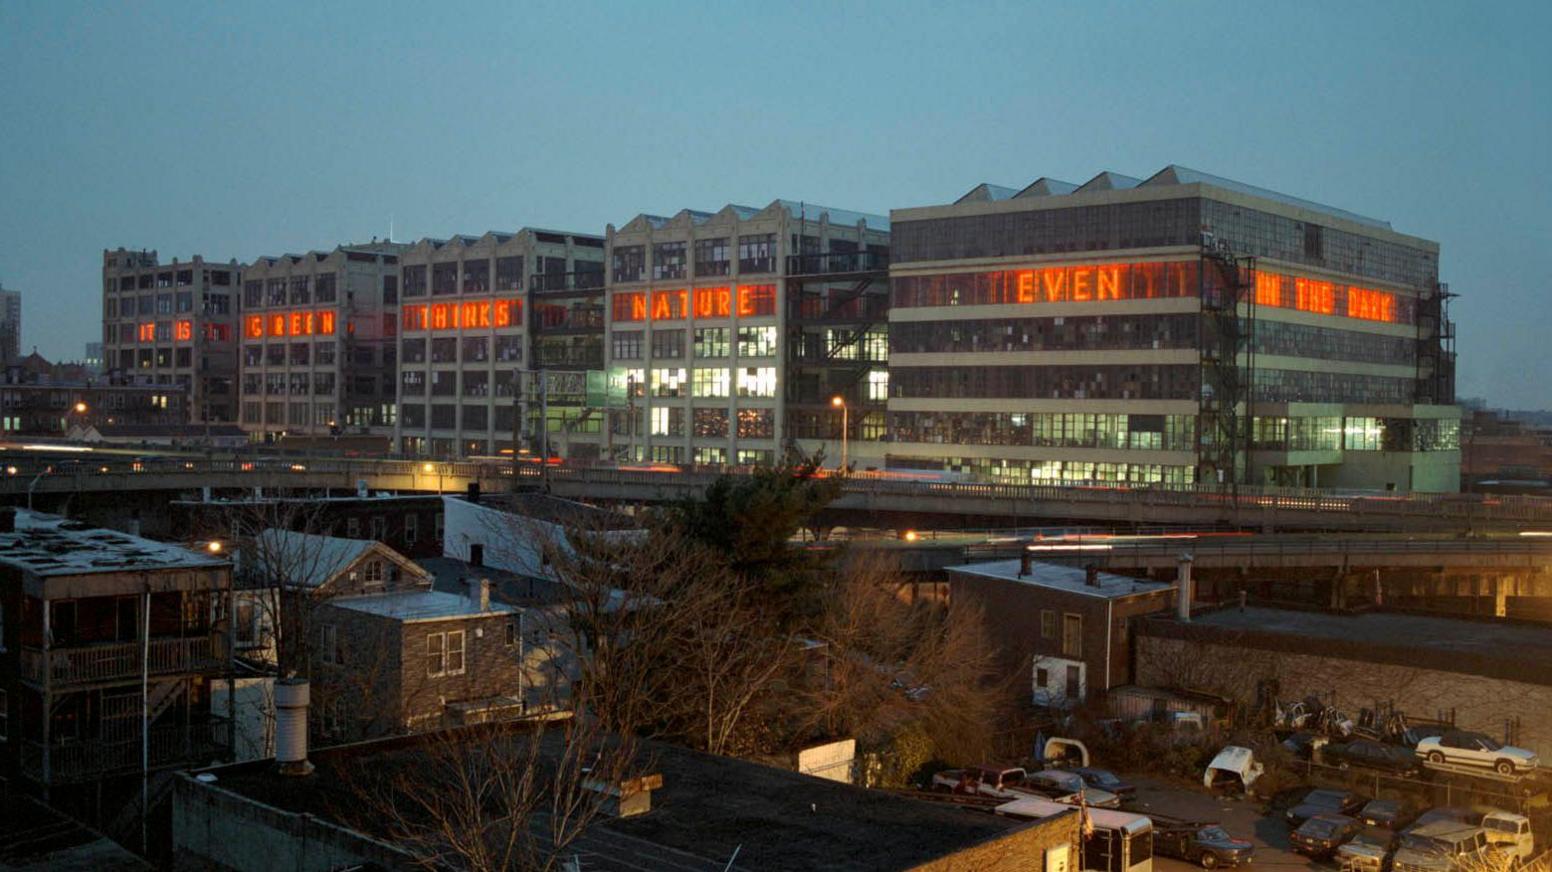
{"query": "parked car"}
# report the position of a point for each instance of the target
(1510, 833)
(1374, 755)
(1321, 834)
(1370, 851)
(1462, 748)
(1005, 783)
(1448, 846)
(1387, 814)
(1208, 846)
(1104, 779)
(1066, 781)
(1329, 802)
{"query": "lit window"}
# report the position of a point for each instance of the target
(757, 381)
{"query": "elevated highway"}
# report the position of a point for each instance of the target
(865, 500)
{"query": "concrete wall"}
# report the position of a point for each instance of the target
(215, 829)
(1479, 703)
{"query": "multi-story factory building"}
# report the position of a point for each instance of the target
(319, 342)
(471, 338)
(736, 332)
(173, 324)
(1175, 330)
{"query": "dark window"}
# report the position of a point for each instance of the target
(711, 257)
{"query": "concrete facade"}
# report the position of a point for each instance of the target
(318, 342)
(480, 315)
(1078, 332)
(703, 332)
(173, 324)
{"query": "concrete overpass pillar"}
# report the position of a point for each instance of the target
(1500, 596)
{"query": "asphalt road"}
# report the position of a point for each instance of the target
(1242, 818)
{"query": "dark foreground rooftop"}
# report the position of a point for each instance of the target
(1513, 651)
(35, 837)
(708, 808)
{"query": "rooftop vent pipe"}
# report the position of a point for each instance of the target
(1091, 575)
(1026, 562)
(1183, 586)
(291, 698)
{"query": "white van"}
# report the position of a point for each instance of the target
(1121, 842)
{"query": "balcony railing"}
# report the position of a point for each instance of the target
(88, 759)
(87, 664)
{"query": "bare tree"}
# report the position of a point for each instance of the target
(888, 664)
(497, 797)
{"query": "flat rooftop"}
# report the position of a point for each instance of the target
(47, 545)
(419, 605)
(1509, 650)
(1057, 576)
(35, 837)
(708, 808)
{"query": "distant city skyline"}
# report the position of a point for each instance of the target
(291, 127)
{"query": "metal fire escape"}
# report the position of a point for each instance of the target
(1435, 347)
(1225, 419)
(834, 301)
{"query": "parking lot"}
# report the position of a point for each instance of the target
(1242, 818)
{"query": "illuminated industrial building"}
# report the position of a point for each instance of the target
(1183, 329)
(734, 332)
(479, 316)
(318, 342)
(173, 324)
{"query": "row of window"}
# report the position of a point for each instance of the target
(165, 304)
(1298, 386)
(1047, 429)
(707, 382)
(468, 349)
(488, 275)
(320, 383)
(700, 422)
(414, 383)
(756, 254)
(1005, 471)
(1302, 340)
(166, 279)
(709, 342)
(303, 354)
(290, 291)
(1045, 334)
(280, 414)
(1093, 382)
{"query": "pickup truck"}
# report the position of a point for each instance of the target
(1008, 783)
(1207, 845)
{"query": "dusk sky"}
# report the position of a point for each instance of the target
(239, 130)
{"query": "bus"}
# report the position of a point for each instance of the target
(1121, 841)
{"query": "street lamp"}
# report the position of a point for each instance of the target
(839, 402)
(214, 546)
(80, 408)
